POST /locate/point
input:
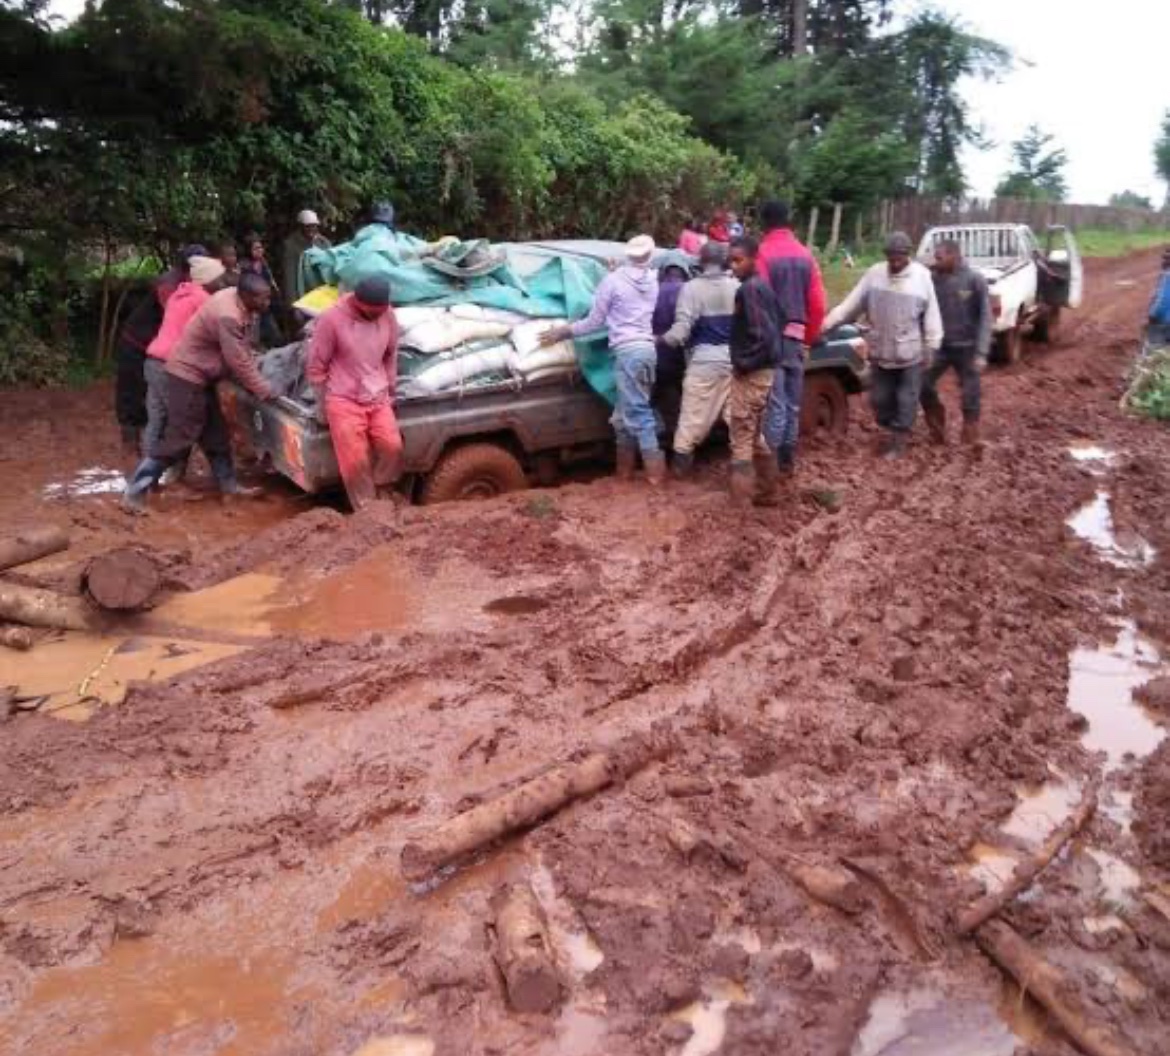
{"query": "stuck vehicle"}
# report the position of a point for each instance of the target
(1030, 286)
(484, 440)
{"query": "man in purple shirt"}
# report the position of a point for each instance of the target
(624, 304)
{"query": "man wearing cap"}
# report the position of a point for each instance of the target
(353, 367)
(216, 343)
(624, 304)
(137, 332)
(306, 236)
(206, 276)
(899, 299)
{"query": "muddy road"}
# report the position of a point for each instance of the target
(917, 668)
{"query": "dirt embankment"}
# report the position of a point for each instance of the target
(212, 866)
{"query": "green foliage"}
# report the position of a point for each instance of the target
(1162, 154)
(1130, 200)
(854, 161)
(1149, 391)
(1039, 169)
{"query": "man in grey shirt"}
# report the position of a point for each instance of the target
(965, 305)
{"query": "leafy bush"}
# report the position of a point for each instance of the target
(1149, 392)
(26, 358)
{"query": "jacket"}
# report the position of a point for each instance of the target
(903, 311)
(217, 343)
(1160, 305)
(290, 261)
(624, 304)
(795, 278)
(665, 307)
(180, 310)
(756, 327)
(703, 318)
(964, 305)
(353, 357)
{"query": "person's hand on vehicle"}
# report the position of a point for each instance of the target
(554, 335)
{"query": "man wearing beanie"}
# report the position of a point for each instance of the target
(899, 300)
(206, 276)
(624, 304)
(215, 344)
(353, 366)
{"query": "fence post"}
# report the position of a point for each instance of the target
(835, 232)
(814, 216)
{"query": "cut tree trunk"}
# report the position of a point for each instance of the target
(517, 809)
(19, 638)
(523, 952)
(42, 608)
(1052, 988)
(32, 544)
(124, 580)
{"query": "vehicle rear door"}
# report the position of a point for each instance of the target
(1064, 260)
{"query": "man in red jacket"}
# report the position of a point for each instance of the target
(353, 366)
(795, 278)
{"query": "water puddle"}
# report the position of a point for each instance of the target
(398, 1045)
(1041, 810)
(708, 1018)
(924, 1022)
(991, 866)
(575, 950)
(1101, 687)
(95, 480)
(371, 887)
(1119, 881)
(80, 673)
(1087, 452)
(1093, 522)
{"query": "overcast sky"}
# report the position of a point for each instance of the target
(1097, 82)
(1091, 72)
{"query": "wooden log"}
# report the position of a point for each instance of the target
(125, 580)
(1026, 872)
(32, 544)
(830, 885)
(517, 809)
(523, 951)
(1052, 989)
(42, 608)
(19, 638)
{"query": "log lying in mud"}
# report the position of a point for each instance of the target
(1030, 868)
(518, 809)
(19, 638)
(829, 884)
(1051, 988)
(31, 545)
(125, 580)
(523, 952)
(42, 608)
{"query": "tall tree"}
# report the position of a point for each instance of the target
(1038, 174)
(1162, 156)
(1130, 200)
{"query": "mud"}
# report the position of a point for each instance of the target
(920, 682)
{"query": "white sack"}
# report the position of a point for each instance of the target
(438, 335)
(479, 313)
(450, 373)
(526, 336)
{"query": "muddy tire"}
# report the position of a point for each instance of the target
(477, 471)
(1009, 346)
(824, 410)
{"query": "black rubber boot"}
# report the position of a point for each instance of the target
(627, 462)
(786, 460)
(682, 466)
(897, 448)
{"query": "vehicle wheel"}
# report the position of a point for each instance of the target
(1010, 346)
(477, 471)
(825, 406)
(1048, 329)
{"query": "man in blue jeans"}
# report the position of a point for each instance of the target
(624, 304)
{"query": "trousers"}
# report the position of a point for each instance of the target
(964, 362)
(634, 423)
(368, 445)
(782, 415)
(704, 399)
(746, 403)
(894, 395)
(130, 387)
(156, 403)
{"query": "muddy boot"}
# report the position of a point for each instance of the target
(141, 481)
(971, 434)
(654, 463)
(682, 466)
(742, 483)
(936, 422)
(224, 472)
(897, 448)
(786, 461)
(767, 490)
(627, 461)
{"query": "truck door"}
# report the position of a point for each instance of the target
(1066, 270)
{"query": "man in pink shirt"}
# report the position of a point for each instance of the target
(353, 366)
(207, 276)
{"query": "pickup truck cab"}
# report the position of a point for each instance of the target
(1030, 286)
(486, 440)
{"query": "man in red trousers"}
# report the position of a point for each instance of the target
(353, 366)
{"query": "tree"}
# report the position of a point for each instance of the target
(1162, 156)
(1038, 174)
(1130, 200)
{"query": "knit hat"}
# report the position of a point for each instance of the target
(193, 249)
(899, 243)
(374, 290)
(205, 270)
(639, 250)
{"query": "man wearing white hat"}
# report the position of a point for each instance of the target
(306, 236)
(624, 304)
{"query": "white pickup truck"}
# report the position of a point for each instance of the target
(1030, 286)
